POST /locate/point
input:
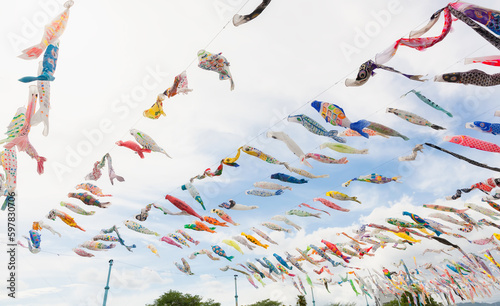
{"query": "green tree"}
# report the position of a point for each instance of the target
(403, 301)
(266, 302)
(176, 298)
(301, 300)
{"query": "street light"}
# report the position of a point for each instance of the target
(312, 293)
(235, 290)
(107, 283)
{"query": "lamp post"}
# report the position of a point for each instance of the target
(235, 290)
(107, 283)
(312, 293)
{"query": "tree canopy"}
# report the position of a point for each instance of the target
(176, 298)
(267, 302)
(403, 301)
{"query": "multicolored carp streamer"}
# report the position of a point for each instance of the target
(34, 241)
(352, 133)
(373, 178)
(42, 114)
(412, 118)
(40, 225)
(287, 178)
(98, 165)
(385, 130)
(366, 70)
(233, 244)
(52, 32)
(261, 155)
(335, 115)
(224, 216)
(428, 102)
(184, 268)
(304, 172)
(183, 206)
(77, 209)
(105, 238)
(309, 206)
(470, 161)
(291, 144)
(286, 221)
(474, 143)
(139, 228)
(444, 208)
(485, 186)
(156, 110)
(199, 226)
(331, 204)
(485, 211)
(209, 173)
(492, 204)
(315, 128)
(417, 42)
(413, 155)
(301, 213)
(180, 86)
(82, 253)
(342, 148)
(48, 65)
(147, 142)
(341, 196)
(263, 193)
(263, 235)
(88, 199)
(214, 221)
(203, 252)
(472, 77)
(97, 246)
(9, 164)
(93, 189)
(216, 63)
(194, 193)
(64, 217)
(144, 213)
(231, 204)
(219, 251)
(122, 242)
(242, 19)
(471, 15)
(153, 249)
(271, 186)
(132, 145)
(19, 128)
(485, 127)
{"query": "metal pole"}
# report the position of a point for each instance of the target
(312, 293)
(107, 283)
(235, 290)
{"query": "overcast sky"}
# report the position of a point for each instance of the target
(116, 56)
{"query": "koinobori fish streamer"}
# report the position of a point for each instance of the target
(98, 165)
